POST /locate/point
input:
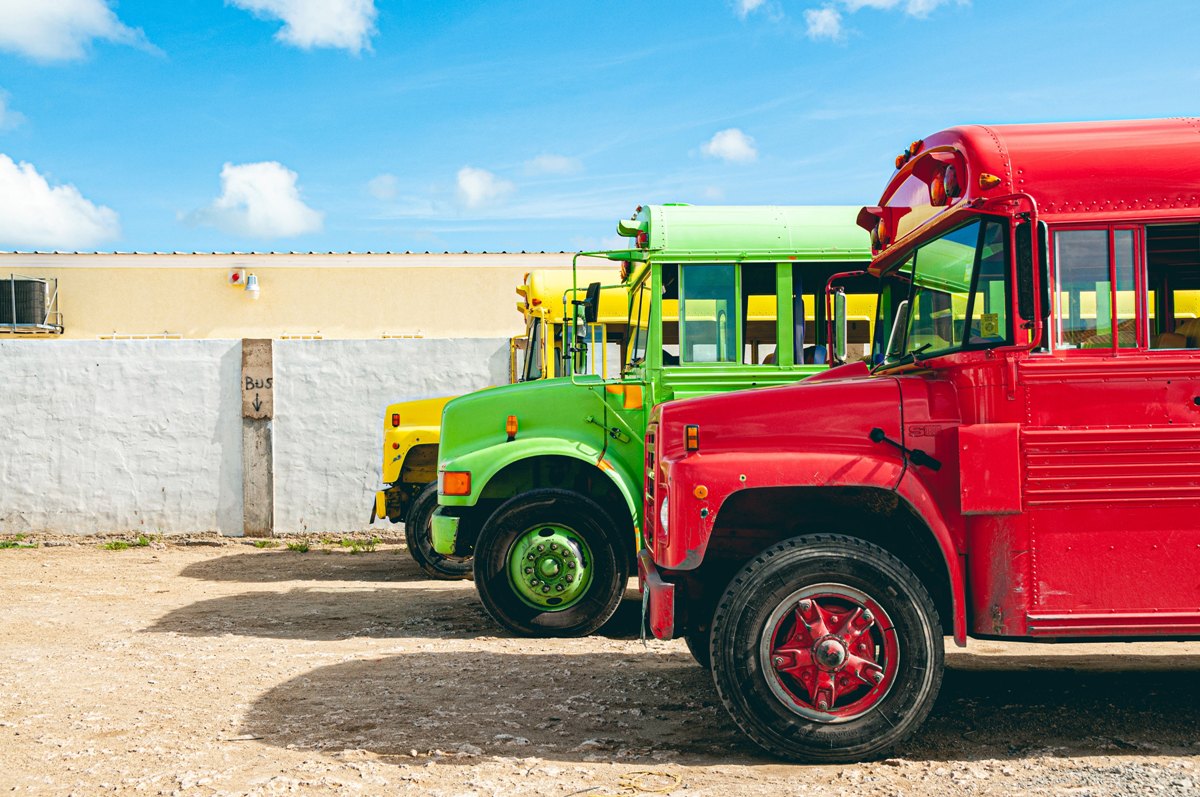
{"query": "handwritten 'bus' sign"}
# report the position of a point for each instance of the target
(258, 379)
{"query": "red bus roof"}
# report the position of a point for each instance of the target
(1099, 171)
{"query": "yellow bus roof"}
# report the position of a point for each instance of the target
(543, 291)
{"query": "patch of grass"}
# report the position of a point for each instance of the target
(266, 544)
(17, 542)
(115, 545)
(330, 541)
(142, 541)
(358, 546)
(298, 547)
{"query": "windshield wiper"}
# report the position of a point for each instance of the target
(910, 357)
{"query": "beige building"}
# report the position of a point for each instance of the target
(299, 296)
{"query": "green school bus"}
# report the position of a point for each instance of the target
(542, 481)
(411, 428)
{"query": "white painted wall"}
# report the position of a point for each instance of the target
(329, 401)
(146, 436)
(107, 436)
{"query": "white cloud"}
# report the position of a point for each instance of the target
(344, 24)
(553, 164)
(61, 30)
(823, 23)
(259, 200)
(34, 214)
(731, 145)
(477, 187)
(745, 7)
(384, 187)
(914, 8)
(8, 117)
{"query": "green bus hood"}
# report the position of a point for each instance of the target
(564, 417)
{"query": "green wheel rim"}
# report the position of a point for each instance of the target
(550, 567)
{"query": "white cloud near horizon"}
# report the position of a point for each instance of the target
(823, 23)
(62, 30)
(731, 145)
(553, 164)
(259, 200)
(384, 187)
(34, 214)
(342, 24)
(745, 7)
(478, 187)
(8, 117)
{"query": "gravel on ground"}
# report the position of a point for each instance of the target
(216, 667)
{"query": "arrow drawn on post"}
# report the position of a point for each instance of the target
(257, 403)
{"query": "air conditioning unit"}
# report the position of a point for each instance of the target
(29, 304)
(22, 301)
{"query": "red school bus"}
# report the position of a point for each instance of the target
(1016, 459)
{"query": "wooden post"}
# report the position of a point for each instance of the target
(258, 408)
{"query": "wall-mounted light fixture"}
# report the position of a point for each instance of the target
(240, 278)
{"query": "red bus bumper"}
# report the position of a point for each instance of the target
(658, 595)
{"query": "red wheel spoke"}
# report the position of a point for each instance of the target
(791, 659)
(825, 691)
(864, 669)
(808, 613)
(851, 624)
(858, 625)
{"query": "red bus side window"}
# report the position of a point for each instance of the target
(1096, 289)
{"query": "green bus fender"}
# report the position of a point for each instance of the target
(445, 526)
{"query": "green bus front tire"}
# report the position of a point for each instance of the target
(580, 535)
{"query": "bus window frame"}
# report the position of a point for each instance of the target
(1140, 288)
(908, 255)
(634, 331)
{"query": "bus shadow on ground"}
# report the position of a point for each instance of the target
(661, 708)
(319, 564)
(447, 611)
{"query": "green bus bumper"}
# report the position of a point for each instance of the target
(445, 532)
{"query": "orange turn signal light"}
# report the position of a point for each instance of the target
(510, 427)
(988, 181)
(691, 437)
(700, 492)
(456, 482)
(395, 419)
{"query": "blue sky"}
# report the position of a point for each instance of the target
(377, 125)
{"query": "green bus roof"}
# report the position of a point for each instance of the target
(821, 231)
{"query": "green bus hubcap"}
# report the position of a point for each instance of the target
(550, 567)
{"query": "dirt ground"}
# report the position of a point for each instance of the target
(225, 669)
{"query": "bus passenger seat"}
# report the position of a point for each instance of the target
(1169, 340)
(1190, 329)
